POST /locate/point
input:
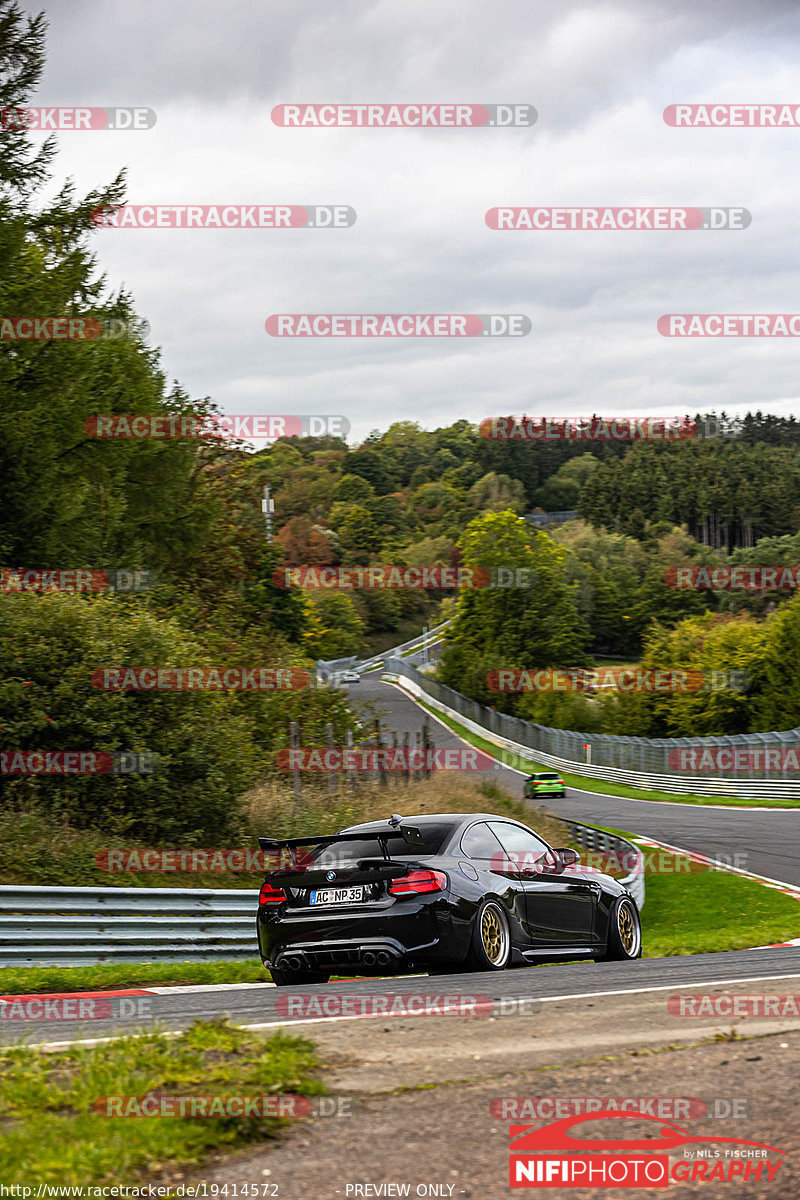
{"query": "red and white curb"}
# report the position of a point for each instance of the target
(176, 990)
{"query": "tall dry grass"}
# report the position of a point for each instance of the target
(272, 812)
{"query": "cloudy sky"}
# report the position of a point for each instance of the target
(599, 75)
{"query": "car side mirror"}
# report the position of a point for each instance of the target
(567, 857)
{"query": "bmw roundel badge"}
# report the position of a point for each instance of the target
(330, 875)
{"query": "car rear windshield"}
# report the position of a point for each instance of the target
(549, 777)
(346, 852)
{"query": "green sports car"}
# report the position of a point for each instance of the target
(545, 783)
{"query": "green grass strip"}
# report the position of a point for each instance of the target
(51, 1133)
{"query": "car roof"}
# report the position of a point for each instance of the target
(428, 819)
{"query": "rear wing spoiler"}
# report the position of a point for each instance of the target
(411, 835)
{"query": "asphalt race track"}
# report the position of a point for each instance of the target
(255, 1004)
(769, 837)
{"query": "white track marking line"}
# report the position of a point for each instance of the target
(254, 1028)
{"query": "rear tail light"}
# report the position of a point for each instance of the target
(270, 894)
(418, 881)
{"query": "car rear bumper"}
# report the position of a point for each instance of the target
(372, 954)
(385, 939)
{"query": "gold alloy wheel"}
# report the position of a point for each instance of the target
(627, 930)
(493, 935)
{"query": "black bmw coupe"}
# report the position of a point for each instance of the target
(445, 892)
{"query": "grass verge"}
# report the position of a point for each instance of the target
(51, 1133)
(114, 976)
(707, 911)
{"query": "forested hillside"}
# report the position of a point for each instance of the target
(188, 511)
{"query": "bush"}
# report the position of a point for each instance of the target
(49, 648)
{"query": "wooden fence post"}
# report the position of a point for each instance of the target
(332, 784)
(379, 747)
(351, 778)
(294, 742)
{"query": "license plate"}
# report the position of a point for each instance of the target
(337, 895)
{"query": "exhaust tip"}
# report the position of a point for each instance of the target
(293, 962)
(368, 958)
(384, 957)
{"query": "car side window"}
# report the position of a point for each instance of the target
(480, 842)
(522, 846)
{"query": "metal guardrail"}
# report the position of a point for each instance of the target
(329, 668)
(83, 927)
(76, 927)
(416, 643)
(637, 762)
(551, 518)
(597, 839)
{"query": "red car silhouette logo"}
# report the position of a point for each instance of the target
(557, 1137)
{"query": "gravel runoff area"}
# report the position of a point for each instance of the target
(420, 1098)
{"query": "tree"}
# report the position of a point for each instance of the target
(335, 628)
(373, 467)
(353, 488)
(358, 531)
(496, 493)
(305, 544)
(67, 498)
(779, 703)
(537, 625)
(50, 647)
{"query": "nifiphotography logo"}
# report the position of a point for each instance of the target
(553, 1157)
